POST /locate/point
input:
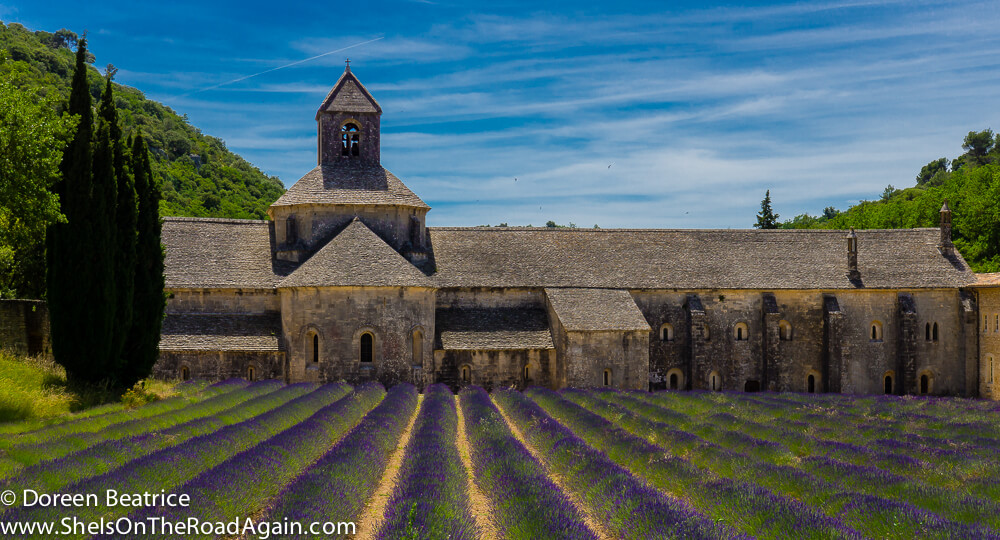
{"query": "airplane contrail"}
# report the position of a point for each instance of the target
(295, 63)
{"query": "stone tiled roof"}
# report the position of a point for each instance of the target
(490, 329)
(215, 332)
(219, 253)
(350, 183)
(583, 310)
(690, 259)
(987, 280)
(349, 95)
(356, 257)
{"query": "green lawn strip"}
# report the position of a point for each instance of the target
(52, 476)
(744, 506)
(186, 388)
(32, 454)
(172, 467)
(95, 423)
(823, 483)
(244, 484)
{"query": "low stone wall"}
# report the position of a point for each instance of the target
(24, 327)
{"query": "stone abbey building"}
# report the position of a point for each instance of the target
(348, 282)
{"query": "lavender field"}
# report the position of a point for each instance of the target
(374, 463)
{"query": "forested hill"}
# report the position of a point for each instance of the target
(971, 185)
(198, 175)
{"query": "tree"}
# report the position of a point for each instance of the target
(932, 169)
(888, 192)
(32, 138)
(766, 218)
(830, 212)
(76, 301)
(124, 228)
(148, 302)
(977, 146)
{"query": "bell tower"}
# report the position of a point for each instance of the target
(347, 124)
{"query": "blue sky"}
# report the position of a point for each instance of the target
(624, 114)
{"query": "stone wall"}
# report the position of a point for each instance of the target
(222, 301)
(24, 327)
(830, 339)
(988, 328)
(317, 224)
(495, 369)
(341, 315)
(219, 365)
(328, 140)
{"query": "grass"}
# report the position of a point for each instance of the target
(34, 392)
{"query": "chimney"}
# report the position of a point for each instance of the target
(946, 247)
(852, 256)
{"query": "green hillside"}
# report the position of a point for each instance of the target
(199, 176)
(971, 185)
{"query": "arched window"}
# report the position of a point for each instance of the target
(418, 348)
(934, 332)
(251, 374)
(785, 331)
(876, 331)
(607, 377)
(315, 348)
(527, 373)
(926, 382)
(350, 139)
(989, 360)
(367, 347)
(740, 332)
(927, 332)
(466, 373)
(811, 384)
(887, 383)
(675, 379)
(185, 373)
(666, 332)
(715, 381)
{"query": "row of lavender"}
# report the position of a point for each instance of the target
(54, 475)
(926, 472)
(626, 505)
(243, 484)
(431, 499)
(742, 505)
(526, 503)
(171, 467)
(870, 500)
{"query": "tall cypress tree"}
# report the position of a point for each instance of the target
(766, 218)
(100, 264)
(67, 243)
(123, 229)
(142, 346)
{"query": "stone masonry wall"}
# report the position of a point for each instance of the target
(854, 362)
(316, 224)
(24, 327)
(989, 342)
(222, 301)
(219, 365)
(340, 315)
